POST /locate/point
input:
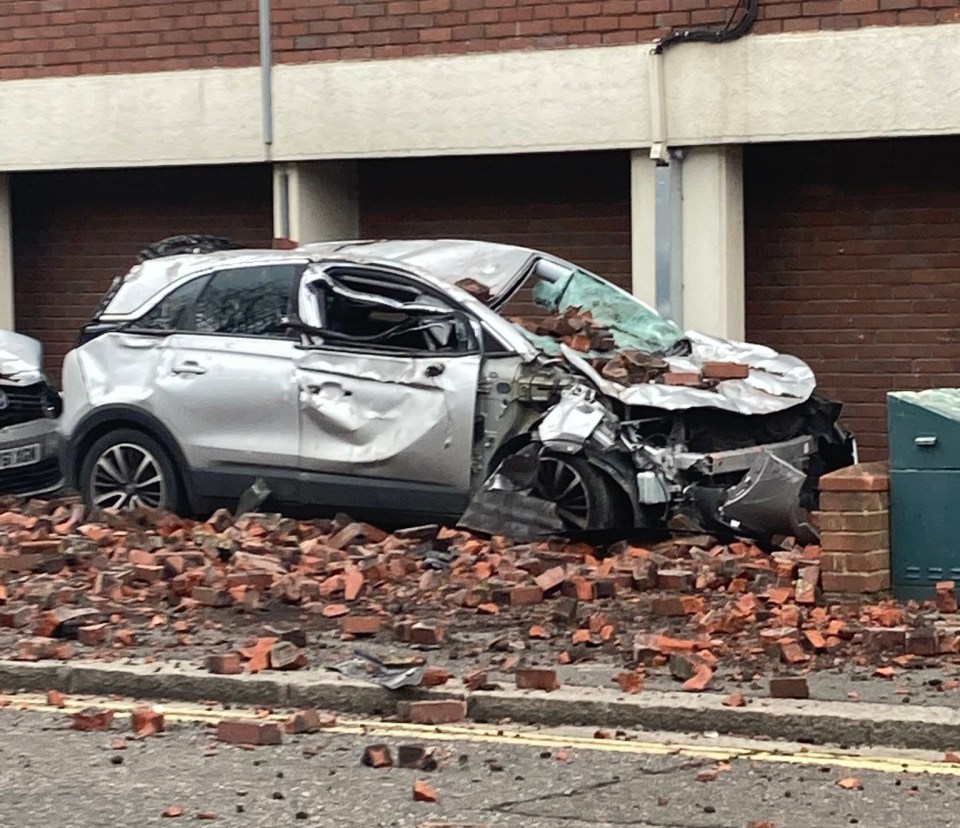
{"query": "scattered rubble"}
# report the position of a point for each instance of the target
(263, 592)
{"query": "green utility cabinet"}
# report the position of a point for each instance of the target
(924, 490)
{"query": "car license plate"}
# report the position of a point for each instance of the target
(20, 456)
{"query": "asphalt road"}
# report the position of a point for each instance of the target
(54, 776)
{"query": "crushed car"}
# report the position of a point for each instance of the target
(29, 407)
(491, 384)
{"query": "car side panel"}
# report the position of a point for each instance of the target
(397, 417)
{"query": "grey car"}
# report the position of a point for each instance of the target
(484, 383)
(29, 407)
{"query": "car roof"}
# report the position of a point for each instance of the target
(493, 264)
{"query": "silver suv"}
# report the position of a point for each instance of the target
(486, 383)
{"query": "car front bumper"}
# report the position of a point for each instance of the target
(44, 475)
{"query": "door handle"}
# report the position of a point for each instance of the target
(435, 370)
(189, 367)
(926, 441)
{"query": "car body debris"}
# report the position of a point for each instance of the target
(447, 379)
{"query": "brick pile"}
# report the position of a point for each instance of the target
(98, 586)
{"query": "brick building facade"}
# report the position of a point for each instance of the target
(816, 204)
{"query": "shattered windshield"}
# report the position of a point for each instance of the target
(591, 316)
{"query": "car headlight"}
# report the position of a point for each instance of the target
(50, 403)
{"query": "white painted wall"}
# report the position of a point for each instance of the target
(882, 81)
(6, 256)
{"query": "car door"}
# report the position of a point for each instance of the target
(225, 384)
(387, 389)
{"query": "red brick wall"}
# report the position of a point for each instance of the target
(853, 263)
(67, 37)
(73, 232)
(575, 205)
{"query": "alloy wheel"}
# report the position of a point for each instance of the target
(125, 476)
(561, 483)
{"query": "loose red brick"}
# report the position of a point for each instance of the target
(580, 588)
(551, 580)
(880, 639)
(676, 580)
(377, 756)
(125, 637)
(92, 635)
(249, 732)
(789, 687)
(445, 711)
(668, 606)
(538, 632)
(725, 370)
(360, 625)
(923, 642)
(56, 699)
(352, 584)
(629, 682)
(92, 719)
(335, 610)
(17, 617)
(678, 378)
(537, 679)
(211, 597)
(946, 596)
(304, 721)
(146, 720)
(225, 664)
(525, 595)
(430, 635)
(148, 574)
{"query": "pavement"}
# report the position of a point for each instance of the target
(487, 776)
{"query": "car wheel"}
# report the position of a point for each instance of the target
(582, 494)
(127, 468)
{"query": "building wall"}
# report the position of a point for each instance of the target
(575, 205)
(74, 231)
(43, 38)
(853, 263)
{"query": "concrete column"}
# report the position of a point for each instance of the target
(643, 224)
(713, 266)
(316, 201)
(6, 255)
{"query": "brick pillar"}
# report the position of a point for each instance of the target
(855, 530)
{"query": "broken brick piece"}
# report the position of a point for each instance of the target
(211, 597)
(56, 699)
(435, 677)
(789, 687)
(416, 757)
(125, 637)
(631, 683)
(698, 681)
(668, 606)
(225, 664)
(249, 732)
(361, 624)
(92, 635)
(475, 679)
(304, 721)
(377, 756)
(536, 678)
(92, 719)
(146, 720)
(352, 584)
(725, 370)
(445, 711)
(422, 792)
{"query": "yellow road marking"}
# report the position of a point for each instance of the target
(511, 736)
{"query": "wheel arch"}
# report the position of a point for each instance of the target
(104, 420)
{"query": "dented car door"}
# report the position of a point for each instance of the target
(387, 384)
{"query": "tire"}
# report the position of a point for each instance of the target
(118, 455)
(584, 498)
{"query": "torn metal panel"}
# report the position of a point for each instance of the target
(393, 675)
(767, 500)
(569, 424)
